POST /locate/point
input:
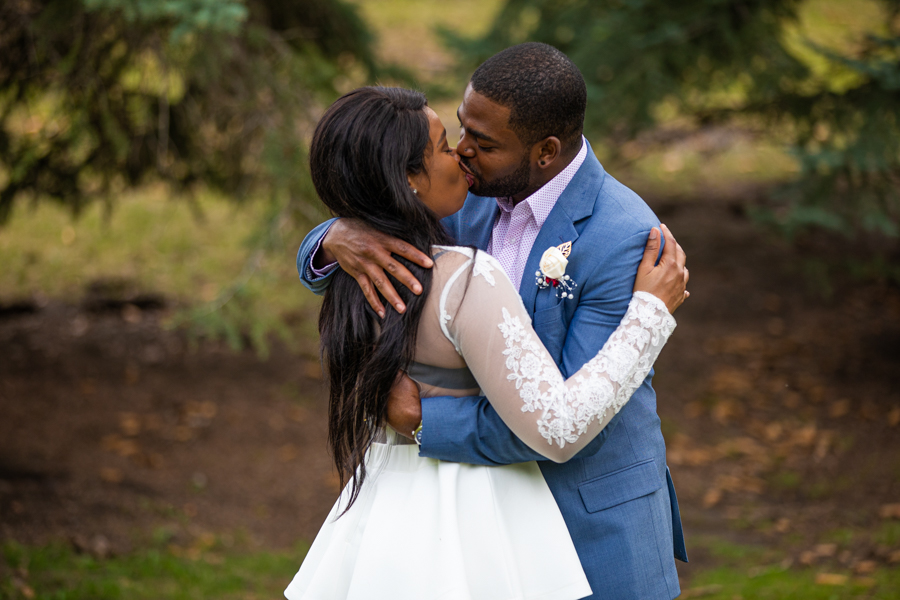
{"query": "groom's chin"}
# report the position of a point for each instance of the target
(479, 191)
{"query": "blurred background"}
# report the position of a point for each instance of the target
(162, 427)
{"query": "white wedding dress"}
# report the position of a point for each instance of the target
(423, 529)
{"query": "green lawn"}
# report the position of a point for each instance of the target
(748, 572)
(200, 254)
(210, 570)
(56, 572)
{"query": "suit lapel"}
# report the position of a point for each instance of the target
(477, 221)
(575, 204)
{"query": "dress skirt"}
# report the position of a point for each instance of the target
(423, 529)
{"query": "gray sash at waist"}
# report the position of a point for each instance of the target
(449, 379)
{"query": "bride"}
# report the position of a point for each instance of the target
(380, 155)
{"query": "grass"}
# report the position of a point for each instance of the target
(777, 583)
(209, 569)
(150, 239)
(760, 573)
(191, 252)
(56, 572)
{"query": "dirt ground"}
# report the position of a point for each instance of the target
(781, 408)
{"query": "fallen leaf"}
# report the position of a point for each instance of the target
(865, 567)
(889, 511)
(183, 433)
(130, 424)
(730, 381)
(111, 475)
(313, 370)
(97, 546)
(276, 422)
(822, 445)
(117, 444)
(735, 447)
(88, 386)
(782, 525)
(868, 410)
(332, 480)
(712, 497)
(298, 414)
(132, 374)
(805, 436)
(831, 579)
(132, 314)
(775, 326)
(825, 550)
(774, 431)
(792, 399)
(816, 393)
(839, 408)
(288, 452)
(694, 409)
(894, 557)
(152, 460)
(894, 417)
(24, 589)
(698, 457)
(725, 410)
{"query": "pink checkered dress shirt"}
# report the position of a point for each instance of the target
(517, 226)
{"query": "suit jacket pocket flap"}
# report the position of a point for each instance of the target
(550, 314)
(621, 486)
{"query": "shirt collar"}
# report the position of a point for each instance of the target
(544, 199)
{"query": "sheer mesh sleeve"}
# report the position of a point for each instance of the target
(482, 315)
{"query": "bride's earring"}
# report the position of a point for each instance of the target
(415, 191)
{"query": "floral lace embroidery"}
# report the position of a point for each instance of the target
(605, 383)
(484, 267)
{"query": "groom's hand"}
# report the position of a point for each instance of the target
(365, 254)
(404, 408)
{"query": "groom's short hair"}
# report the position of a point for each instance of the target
(542, 88)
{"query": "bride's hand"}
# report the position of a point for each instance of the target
(366, 255)
(667, 279)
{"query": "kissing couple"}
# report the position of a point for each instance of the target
(494, 424)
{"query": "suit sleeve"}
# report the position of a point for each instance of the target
(315, 284)
(470, 430)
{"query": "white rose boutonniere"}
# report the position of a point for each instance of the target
(553, 263)
(553, 271)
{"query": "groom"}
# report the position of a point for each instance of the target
(535, 183)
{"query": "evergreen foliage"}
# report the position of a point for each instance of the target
(714, 59)
(96, 95)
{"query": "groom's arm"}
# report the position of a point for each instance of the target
(316, 282)
(469, 430)
(365, 254)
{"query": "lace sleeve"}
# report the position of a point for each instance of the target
(483, 316)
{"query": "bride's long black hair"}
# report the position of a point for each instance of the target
(362, 150)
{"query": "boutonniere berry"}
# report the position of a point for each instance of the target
(553, 271)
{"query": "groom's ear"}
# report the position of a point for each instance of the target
(547, 151)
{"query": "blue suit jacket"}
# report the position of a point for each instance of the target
(616, 495)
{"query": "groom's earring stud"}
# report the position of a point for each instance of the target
(542, 163)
